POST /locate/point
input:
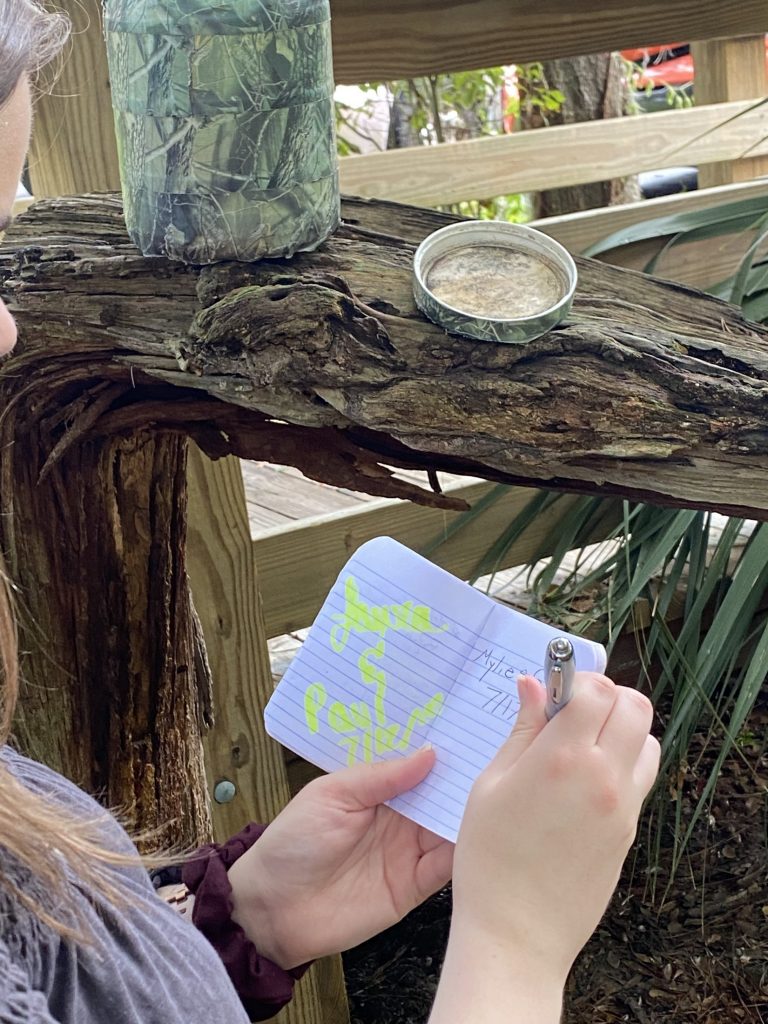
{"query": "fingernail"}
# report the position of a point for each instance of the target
(523, 687)
(426, 746)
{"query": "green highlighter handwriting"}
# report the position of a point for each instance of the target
(364, 732)
(358, 617)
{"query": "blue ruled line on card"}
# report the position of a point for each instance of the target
(402, 654)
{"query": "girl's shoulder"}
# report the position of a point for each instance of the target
(44, 781)
(47, 783)
(19, 999)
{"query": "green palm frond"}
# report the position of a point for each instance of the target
(699, 580)
(712, 222)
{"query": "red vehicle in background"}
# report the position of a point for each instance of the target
(661, 66)
(663, 77)
(664, 67)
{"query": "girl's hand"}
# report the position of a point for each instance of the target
(336, 866)
(549, 824)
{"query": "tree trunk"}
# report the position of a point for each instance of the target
(401, 133)
(651, 390)
(594, 88)
(116, 686)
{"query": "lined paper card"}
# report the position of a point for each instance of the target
(401, 654)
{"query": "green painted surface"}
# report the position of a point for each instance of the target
(225, 126)
(226, 17)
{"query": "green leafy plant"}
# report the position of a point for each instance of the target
(535, 99)
(691, 587)
(351, 118)
(649, 98)
(450, 108)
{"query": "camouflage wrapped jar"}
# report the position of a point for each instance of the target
(225, 125)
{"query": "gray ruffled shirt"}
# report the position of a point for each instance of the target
(146, 965)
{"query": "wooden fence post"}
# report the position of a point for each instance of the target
(239, 753)
(73, 146)
(730, 69)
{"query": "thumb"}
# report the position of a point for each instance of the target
(531, 719)
(367, 785)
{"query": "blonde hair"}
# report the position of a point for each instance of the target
(35, 833)
(30, 39)
(50, 845)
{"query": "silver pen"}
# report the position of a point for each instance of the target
(559, 670)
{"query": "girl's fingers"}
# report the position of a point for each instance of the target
(626, 729)
(429, 841)
(583, 719)
(530, 721)
(434, 869)
(647, 766)
(367, 785)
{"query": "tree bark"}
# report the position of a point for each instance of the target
(116, 687)
(650, 390)
(594, 87)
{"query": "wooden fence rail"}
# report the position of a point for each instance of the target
(559, 156)
(700, 263)
(408, 38)
(730, 69)
(298, 564)
(577, 231)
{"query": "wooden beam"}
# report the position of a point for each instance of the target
(649, 391)
(408, 38)
(228, 602)
(299, 564)
(577, 231)
(700, 264)
(731, 69)
(73, 145)
(558, 156)
(21, 205)
(238, 750)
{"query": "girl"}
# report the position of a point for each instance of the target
(84, 937)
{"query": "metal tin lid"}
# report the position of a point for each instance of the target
(494, 281)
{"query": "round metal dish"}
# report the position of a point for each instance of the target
(465, 239)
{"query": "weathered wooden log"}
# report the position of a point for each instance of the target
(116, 687)
(651, 390)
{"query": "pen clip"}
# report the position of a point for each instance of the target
(559, 670)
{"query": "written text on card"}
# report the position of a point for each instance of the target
(359, 617)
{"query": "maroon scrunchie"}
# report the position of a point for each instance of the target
(263, 987)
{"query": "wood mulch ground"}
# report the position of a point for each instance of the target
(697, 952)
